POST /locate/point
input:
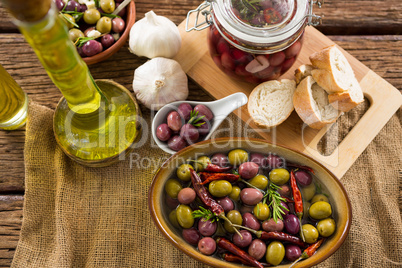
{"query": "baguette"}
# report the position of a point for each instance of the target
(270, 103)
(312, 105)
(302, 72)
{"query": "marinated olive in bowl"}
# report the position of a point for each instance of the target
(239, 208)
(93, 25)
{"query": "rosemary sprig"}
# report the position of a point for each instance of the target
(194, 119)
(275, 199)
(82, 40)
(205, 214)
(247, 3)
(97, 4)
(110, 15)
(77, 15)
(69, 21)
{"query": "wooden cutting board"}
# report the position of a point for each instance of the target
(384, 99)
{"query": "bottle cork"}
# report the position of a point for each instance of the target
(27, 10)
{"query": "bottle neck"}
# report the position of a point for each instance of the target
(58, 55)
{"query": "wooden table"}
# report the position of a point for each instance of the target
(371, 30)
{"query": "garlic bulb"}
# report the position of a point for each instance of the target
(154, 36)
(160, 81)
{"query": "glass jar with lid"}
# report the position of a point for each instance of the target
(255, 40)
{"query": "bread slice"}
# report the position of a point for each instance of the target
(345, 101)
(333, 72)
(312, 105)
(302, 72)
(270, 103)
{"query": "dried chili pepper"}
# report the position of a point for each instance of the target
(234, 258)
(280, 236)
(208, 177)
(226, 244)
(308, 252)
(271, 15)
(293, 165)
(298, 200)
(209, 167)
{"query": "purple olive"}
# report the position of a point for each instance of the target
(251, 196)
(176, 143)
(186, 196)
(292, 224)
(257, 158)
(272, 226)
(172, 202)
(250, 221)
(303, 177)
(59, 4)
(118, 25)
(248, 170)
(242, 242)
(204, 110)
(226, 203)
(273, 161)
(79, 49)
(184, 110)
(73, 6)
(204, 128)
(107, 40)
(83, 7)
(257, 249)
(189, 133)
(292, 252)
(286, 210)
(174, 121)
(122, 12)
(163, 132)
(92, 47)
(220, 160)
(191, 235)
(207, 228)
(207, 246)
(284, 190)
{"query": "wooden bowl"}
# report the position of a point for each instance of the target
(339, 200)
(130, 19)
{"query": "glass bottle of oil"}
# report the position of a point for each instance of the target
(13, 102)
(94, 123)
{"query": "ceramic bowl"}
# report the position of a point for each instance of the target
(220, 108)
(338, 197)
(130, 19)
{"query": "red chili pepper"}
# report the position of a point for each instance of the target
(282, 237)
(208, 177)
(297, 197)
(209, 167)
(271, 15)
(308, 252)
(234, 258)
(293, 165)
(226, 244)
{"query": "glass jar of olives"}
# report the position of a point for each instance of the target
(255, 40)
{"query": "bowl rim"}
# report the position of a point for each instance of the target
(107, 53)
(205, 259)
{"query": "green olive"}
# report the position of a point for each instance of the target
(235, 217)
(275, 253)
(306, 206)
(172, 188)
(74, 34)
(326, 227)
(308, 192)
(184, 216)
(261, 211)
(259, 181)
(319, 197)
(183, 172)
(279, 176)
(235, 193)
(104, 25)
(68, 20)
(220, 188)
(320, 210)
(91, 16)
(237, 156)
(173, 218)
(108, 6)
(310, 233)
(203, 161)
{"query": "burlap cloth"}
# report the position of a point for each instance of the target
(75, 216)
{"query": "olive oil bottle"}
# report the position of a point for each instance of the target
(94, 123)
(13, 102)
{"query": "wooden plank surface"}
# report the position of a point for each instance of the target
(370, 30)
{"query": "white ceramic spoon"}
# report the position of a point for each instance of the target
(220, 108)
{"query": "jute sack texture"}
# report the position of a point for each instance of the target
(75, 216)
